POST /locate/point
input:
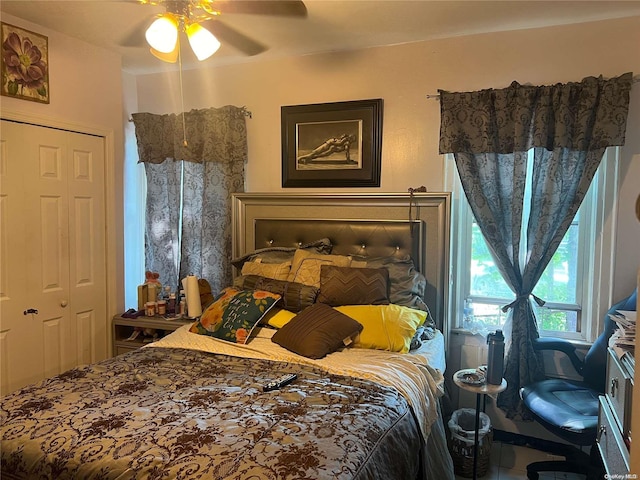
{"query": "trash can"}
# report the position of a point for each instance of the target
(462, 434)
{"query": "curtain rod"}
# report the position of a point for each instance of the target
(635, 79)
(245, 112)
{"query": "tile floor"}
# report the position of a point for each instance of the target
(509, 462)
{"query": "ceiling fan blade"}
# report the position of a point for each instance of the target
(287, 8)
(233, 37)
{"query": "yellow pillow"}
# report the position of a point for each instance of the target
(305, 267)
(279, 318)
(386, 327)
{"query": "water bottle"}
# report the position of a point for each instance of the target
(467, 313)
(495, 358)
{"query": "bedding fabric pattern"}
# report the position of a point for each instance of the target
(164, 413)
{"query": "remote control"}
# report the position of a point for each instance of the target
(279, 382)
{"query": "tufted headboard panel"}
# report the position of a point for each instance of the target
(374, 225)
(348, 236)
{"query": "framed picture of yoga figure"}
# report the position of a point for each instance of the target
(332, 144)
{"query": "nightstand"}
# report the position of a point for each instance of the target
(123, 328)
(480, 390)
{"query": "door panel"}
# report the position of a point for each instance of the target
(53, 253)
(88, 283)
(14, 250)
(47, 263)
(53, 340)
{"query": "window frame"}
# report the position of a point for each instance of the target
(594, 284)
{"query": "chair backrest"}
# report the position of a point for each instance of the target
(595, 361)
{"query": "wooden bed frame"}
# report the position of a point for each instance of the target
(374, 225)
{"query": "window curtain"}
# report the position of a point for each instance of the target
(568, 126)
(192, 168)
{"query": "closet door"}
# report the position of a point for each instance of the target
(52, 295)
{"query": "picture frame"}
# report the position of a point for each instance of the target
(18, 47)
(335, 144)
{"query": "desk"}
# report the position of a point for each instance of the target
(479, 390)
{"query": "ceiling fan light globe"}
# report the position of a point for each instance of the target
(171, 57)
(202, 41)
(162, 34)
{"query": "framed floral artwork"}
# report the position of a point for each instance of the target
(332, 144)
(24, 64)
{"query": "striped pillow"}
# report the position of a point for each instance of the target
(295, 296)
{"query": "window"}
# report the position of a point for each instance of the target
(575, 284)
(134, 198)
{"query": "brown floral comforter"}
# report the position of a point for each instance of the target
(164, 413)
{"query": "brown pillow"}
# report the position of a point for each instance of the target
(317, 331)
(406, 284)
(353, 286)
(295, 296)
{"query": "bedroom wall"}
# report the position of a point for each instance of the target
(85, 95)
(403, 75)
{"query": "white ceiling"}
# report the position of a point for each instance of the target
(331, 25)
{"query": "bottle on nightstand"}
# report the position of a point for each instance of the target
(171, 304)
(495, 358)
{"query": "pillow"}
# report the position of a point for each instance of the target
(206, 297)
(406, 284)
(317, 331)
(234, 314)
(278, 318)
(353, 286)
(305, 267)
(422, 333)
(295, 296)
(282, 254)
(385, 327)
(279, 271)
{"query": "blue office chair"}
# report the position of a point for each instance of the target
(569, 409)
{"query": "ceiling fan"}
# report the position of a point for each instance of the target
(199, 20)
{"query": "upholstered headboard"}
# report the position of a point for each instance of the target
(348, 236)
(374, 225)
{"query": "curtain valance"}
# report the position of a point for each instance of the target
(213, 135)
(582, 116)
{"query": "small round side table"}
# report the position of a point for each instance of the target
(480, 390)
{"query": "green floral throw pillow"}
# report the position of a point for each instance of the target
(234, 314)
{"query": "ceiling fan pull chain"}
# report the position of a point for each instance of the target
(184, 126)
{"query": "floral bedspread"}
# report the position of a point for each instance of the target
(165, 413)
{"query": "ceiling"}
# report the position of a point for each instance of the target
(331, 25)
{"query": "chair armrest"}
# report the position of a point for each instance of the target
(560, 345)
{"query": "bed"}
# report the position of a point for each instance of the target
(193, 405)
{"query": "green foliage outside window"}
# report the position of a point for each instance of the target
(557, 284)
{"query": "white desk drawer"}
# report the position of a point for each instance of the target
(613, 450)
(619, 390)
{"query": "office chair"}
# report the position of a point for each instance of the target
(569, 409)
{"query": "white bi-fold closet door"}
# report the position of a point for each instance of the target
(52, 252)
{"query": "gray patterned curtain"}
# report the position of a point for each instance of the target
(188, 209)
(568, 126)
